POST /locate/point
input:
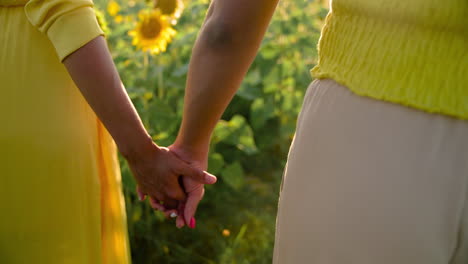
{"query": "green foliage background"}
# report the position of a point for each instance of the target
(249, 146)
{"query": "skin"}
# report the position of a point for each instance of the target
(226, 46)
(156, 169)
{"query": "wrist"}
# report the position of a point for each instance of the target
(191, 151)
(137, 148)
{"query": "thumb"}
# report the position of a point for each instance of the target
(193, 199)
(196, 174)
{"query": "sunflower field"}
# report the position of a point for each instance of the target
(151, 43)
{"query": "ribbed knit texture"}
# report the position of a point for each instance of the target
(413, 53)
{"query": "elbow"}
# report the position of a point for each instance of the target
(219, 35)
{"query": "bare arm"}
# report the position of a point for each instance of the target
(227, 44)
(155, 169)
(223, 52)
(93, 71)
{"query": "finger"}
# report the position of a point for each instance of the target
(175, 191)
(156, 205)
(171, 213)
(193, 199)
(180, 218)
(141, 195)
(196, 174)
(170, 203)
(180, 222)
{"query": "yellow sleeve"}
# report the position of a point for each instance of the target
(69, 24)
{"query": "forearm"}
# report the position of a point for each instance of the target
(93, 71)
(221, 57)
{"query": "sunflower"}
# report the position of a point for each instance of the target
(118, 19)
(113, 8)
(170, 8)
(153, 32)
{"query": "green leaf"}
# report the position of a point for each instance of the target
(233, 175)
(251, 86)
(137, 213)
(181, 71)
(254, 77)
(127, 178)
(260, 112)
(221, 131)
(236, 132)
(162, 116)
(271, 81)
(215, 163)
(269, 51)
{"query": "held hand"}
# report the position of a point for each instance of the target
(193, 189)
(157, 172)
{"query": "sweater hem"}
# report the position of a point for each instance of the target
(315, 72)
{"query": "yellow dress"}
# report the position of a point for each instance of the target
(60, 187)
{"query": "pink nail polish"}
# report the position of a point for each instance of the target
(192, 223)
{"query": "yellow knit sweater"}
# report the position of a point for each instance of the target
(411, 52)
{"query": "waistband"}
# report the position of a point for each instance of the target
(13, 2)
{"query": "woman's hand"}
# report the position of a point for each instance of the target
(193, 189)
(230, 37)
(157, 171)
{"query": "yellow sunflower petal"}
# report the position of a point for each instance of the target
(153, 32)
(171, 8)
(113, 8)
(118, 19)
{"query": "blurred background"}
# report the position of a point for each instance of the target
(151, 44)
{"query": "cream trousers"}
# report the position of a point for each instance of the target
(371, 182)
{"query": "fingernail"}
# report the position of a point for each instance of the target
(210, 179)
(173, 215)
(192, 223)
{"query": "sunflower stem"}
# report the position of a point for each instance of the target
(145, 63)
(160, 81)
